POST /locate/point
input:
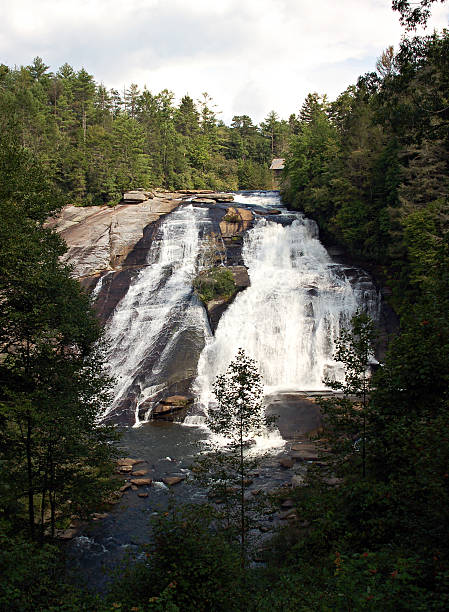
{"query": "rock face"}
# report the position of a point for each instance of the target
(99, 238)
(296, 415)
(172, 480)
(108, 247)
(218, 197)
(235, 222)
(134, 197)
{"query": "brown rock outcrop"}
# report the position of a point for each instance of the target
(100, 237)
(235, 222)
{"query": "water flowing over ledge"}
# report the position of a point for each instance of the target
(159, 320)
(287, 320)
(292, 313)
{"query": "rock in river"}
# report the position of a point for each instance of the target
(140, 482)
(172, 480)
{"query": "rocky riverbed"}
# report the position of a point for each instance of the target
(156, 467)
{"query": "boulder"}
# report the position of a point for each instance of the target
(124, 469)
(142, 494)
(306, 455)
(140, 482)
(140, 473)
(134, 197)
(170, 405)
(241, 277)
(65, 534)
(333, 481)
(306, 446)
(270, 211)
(195, 191)
(125, 487)
(177, 400)
(204, 201)
(128, 461)
(286, 462)
(221, 197)
(172, 480)
(235, 222)
(288, 515)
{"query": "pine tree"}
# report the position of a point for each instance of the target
(238, 417)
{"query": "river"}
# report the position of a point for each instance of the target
(159, 340)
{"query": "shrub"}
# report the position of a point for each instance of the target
(215, 283)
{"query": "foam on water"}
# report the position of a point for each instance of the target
(291, 315)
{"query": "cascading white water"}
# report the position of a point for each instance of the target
(98, 287)
(291, 315)
(265, 199)
(157, 309)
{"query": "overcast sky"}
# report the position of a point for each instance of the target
(251, 56)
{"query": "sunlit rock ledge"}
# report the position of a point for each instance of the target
(99, 238)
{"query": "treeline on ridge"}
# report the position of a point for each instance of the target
(372, 167)
(96, 143)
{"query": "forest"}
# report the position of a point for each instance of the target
(372, 168)
(96, 143)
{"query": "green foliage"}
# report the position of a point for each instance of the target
(345, 415)
(94, 144)
(216, 283)
(413, 14)
(33, 579)
(189, 566)
(56, 461)
(237, 418)
(372, 166)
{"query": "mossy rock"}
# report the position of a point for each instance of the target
(217, 283)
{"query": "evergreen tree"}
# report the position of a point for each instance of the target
(56, 459)
(237, 417)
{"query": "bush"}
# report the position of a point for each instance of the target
(215, 283)
(190, 566)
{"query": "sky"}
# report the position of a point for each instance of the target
(250, 56)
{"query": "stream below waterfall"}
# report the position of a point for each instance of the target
(160, 342)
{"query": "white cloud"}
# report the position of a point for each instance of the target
(252, 56)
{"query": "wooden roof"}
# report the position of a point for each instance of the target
(277, 164)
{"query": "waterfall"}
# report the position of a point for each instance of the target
(290, 317)
(155, 325)
(158, 339)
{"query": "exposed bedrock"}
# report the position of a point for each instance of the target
(99, 238)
